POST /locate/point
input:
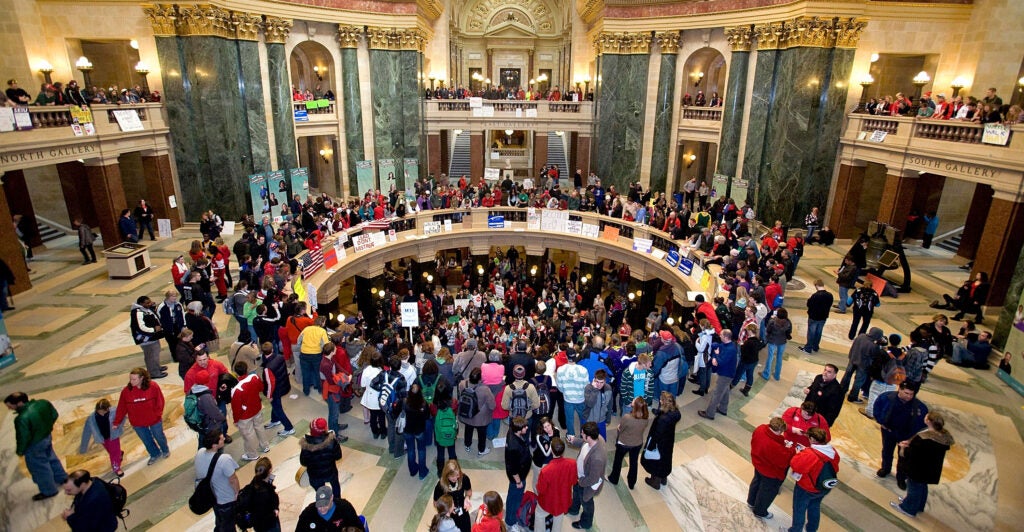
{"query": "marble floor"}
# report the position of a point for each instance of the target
(73, 347)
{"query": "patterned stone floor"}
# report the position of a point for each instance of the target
(73, 348)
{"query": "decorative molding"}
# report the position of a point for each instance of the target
(396, 39)
(740, 38)
(480, 16)
(162, 18)
(247, 26)
(431, 8)
(848, 32)
(622, 43)
(276, 30)
(348, 36)
(589, 9)
(204, 19)
(769, 35)
(806, 32)
(668, 41)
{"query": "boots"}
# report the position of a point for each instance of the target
(745, 391)
(653, 482)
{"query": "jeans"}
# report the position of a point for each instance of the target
(662, 387)
(810, 232)
(774, 351)
(378, 427)
(481, 434)
(441, 449)
(587, 519)
(44, 466)
(858, 381)
(762, 492)
(806, 507)
(703, 379)
(316, 482)
(252, 439)
(153, 439)
(243, 329)
(144, 227)
(277, 413)
(745, 372)
(917, 496)
(814, 330)
(620, 453)
(310, 366)
(844, 294)
(572, 411)
(512, 500)
(416, 453)
(494, 428)
(225, 517)
(333, 411)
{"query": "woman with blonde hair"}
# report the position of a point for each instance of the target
(455, 484)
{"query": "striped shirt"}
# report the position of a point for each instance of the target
(572, 380)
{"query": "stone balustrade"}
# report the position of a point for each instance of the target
(508, 114)
(319, 110)
(702, 113)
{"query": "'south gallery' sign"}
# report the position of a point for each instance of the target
(931, 164)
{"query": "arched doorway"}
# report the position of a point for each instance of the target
(312, 68)
(704, 72)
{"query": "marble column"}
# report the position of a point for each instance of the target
(663, 112)
(1012, 292)
(974, 226)
(106, 193)
(280, 95)
(1000, 246)
(396, 104)
(582, 156)
(760, 107)
(540, 153)
(735, 95)
(365, 300)
(623, 64)
(348, 37)
(251, 94)
(434, 155)
(11, 251)
(846, 201)
(16, 189)
(476, 157)
(75, 188)
(897, 198)
(160, 186)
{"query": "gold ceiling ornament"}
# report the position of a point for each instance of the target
(808, 32)
(589, 9)
(848, 32)
(247, 25)
(740, 38)
(431, 8)
(769, 35)
(396, 39)
(204, 19)
(276, 30)
(668, 41)
(348, 36)
(162, 18)
(622, 43)
(479, 16)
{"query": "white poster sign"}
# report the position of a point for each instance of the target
(128, 119)
(6, 119)
(643, 245)
(432, 228)
(591, 230)
(163, 226)
(362, 242)
(492, 174)
(379, 238)
(476, 102)
(229, 229)
(532, 219)
(499, 291)
(410, 315)
(462, 303)
(531, 113)
(448, 225)
(574, 226)
(998, 134)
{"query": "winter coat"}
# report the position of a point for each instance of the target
(769, 453)
(663, 437)
(34, 422)
(922, 459)
(484, 400)
(320, 455)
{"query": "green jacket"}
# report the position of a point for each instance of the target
(33, 423)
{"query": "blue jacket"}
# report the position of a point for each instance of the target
(931, 224)
(668, 358)
(91, 430)
(727, 359)
(903, 419)
(129, 230)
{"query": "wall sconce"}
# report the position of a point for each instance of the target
(1020, 84)
(326, 154)
(488, 82)
(586, 83)
(46, 69)
(480, 269)
(319, 71)
(532, 82)
(874, 57)
(700, 77)
(958, 84)
(142, 69)
(690, 159)
(432, 78)
(865, 82)
(85, 67)
(671, 321)
(920, 80)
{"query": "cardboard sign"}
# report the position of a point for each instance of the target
(591, 230)
(610, 233)
(362, 242)
(433, 228)
(128, 119)
(410, 315)
(163, 226)
(492, 174)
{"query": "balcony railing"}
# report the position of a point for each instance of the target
(48, 116)
(505, 114)
(702, 113)
(967, 132)
(315, 107)
(511, 152)
(900, 129)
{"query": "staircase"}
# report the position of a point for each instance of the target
(950, 242)
(459, 165)
(556, 156)
(48, 232)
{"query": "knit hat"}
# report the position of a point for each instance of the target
(318, 427)
(519, 371)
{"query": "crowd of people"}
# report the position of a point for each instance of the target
(987, 110)
(57, 93)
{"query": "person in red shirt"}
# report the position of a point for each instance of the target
(490, 516)
(245, 409)
(488, 201)
(708, 310)
(808, 466)
(213, 368)
(770, 453)
(554, 487)
(142, 403)
(800, 419)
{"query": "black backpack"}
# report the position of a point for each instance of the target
(826, 478)
(468, 406)
(118, 497)
(520, 403)
(243, 507)
(544, 394)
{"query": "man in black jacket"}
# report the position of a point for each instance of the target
(818, 307)
(517, 466)
(826, 393)
(92, 508)
(320, 452)
(329, 513)
(277, 385)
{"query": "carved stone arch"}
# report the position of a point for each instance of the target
(478, 16)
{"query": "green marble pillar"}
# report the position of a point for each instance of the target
(801, 131)
(179, 116)
(620, 122)
(251, 91)
(663, 123)
(1007, 314)
(760, 105)
(353, 109)
(732, 114)
(396, 107)
(281, 105)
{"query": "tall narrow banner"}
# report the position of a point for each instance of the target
(258, 193)
(386, 172)
(411, 172)
(364, 176)
(300, 183)
(277, 189)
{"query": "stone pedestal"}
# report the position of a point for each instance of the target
(160, 185)
(846, 201)
(1000, 246)
(897, 198)
(106, 193)
(974, 226)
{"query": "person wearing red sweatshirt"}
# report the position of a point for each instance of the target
(554, 487)
(142, 403)
(245, 409)
(708, 310)
(814, 470)
(770, 453)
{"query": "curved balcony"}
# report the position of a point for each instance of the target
(507, 114)
(701, 124)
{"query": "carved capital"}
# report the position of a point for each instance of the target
(162, 18)
(622, 43)
(396, 39)
(848, 32)
(276, 30)
(769, 35)
(204, 19)
(348, 36)
(740, 38)
(247, 26)
(808, 32)
(668, 41)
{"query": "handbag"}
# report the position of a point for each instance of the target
(651, 454)
(203, 499)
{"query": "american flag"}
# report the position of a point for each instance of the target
(311, 261)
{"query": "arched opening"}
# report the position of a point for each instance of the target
(312, 68)
(704, 77)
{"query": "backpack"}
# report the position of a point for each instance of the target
(864, 299)
(520, 404)
(229, 306)
(193, 415)
(826, 478)
(544, 393)
(428, 391)
(118, 498)
(527, 509)
(243, 507)
(388, 397)
(446, 427)
(468, 406)
(202, 499)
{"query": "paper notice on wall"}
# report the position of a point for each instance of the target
(6, 119)
(495, 155)
(878, 136)
(531, 113)
(128, 119)
(173, 202)
(591, 230)
(392, 235)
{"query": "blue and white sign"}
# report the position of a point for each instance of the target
(496, 222)
(672, 258)
(685, 266)
(301, 115)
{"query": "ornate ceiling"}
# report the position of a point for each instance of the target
(483, 16)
